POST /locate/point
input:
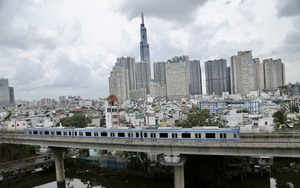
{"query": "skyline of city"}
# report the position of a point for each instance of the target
(54, 55)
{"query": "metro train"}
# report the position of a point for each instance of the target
(171, 134)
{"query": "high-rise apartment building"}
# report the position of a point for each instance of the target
(177, 77)
(273, 71)
(258, 74)
(129, 64)
(7, 97)
(195, 77)
(144, 46)
(143, 76)
(242, 73)
(216, 77)
(159, 72)
(119, 83)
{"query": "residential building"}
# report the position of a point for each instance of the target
(143, 76)
(129, 64)
(195, 78)
(112, 116)
(159, 72)
(273, 73)
(7, 98)
(158, 90)
(216, 77)
(177, 77)
(242, 73)
(119, 83)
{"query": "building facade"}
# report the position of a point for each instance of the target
(242, 73)
(144, 46)
(129, 64)
(273, 71)
(119, 83)
(216, 77)
(7, 98)
(195, 78)
(143, 76)
(178, 78)
(159, 72)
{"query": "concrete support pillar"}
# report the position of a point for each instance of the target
(59, 167)
(179, 176)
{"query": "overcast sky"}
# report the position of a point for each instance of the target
(68, 47)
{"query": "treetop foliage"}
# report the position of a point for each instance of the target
(198, 118)
(77, 120)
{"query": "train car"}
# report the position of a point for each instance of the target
(200, 134)
(173, 134)
(121, 133)
(50, 132)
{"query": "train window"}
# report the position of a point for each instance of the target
(52, 133)
(234, 135)
(95, 134)
(88, 134)
(121, 134)
(137, 135)
(35, 132)
(80, 134)
(186, 135)
(58, 133)
(153, 135)
(46, 132)
(163, 135)
(130, 135)
(65, 133)
(210, 135)
(41, 132)
(198, 135)
(70, 133)
(30, 132)
(104, 134)
(112, 134)
(174, 135)
(223, 135)
(75, 133)
(145, 135)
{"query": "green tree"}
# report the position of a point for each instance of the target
(280, 118)
(77, 120)
(201, 118)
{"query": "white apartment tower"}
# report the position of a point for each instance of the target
(242, 73)
(129, 64)
(177, 77)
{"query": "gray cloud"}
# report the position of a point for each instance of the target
(287, 8)
(169, 10)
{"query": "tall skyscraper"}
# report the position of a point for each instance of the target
(258, 75)
(242, 73)
(143, 76)
(129, 64)
(216, 77)
(273, 73)
(195, 78)
(144, 46)
(177, 77)
(159, 72)
(7, 97)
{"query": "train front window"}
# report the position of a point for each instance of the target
(210, 135)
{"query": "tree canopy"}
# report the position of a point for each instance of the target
(77, 120)
(280, 118)
(201, 118)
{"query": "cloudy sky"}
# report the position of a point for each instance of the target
(68, 47)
